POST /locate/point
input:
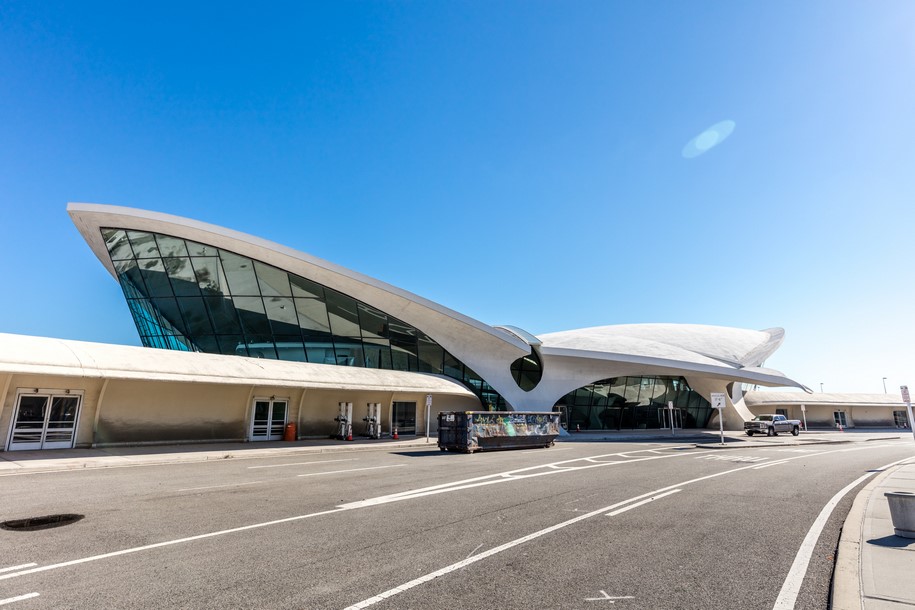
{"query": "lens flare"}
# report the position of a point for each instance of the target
(708, 139)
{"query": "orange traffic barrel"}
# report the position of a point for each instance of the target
(289, 433)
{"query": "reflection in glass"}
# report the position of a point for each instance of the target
(186, 295)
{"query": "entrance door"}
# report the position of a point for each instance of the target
(44, 421)
(900, 419)
(839, 418)
(404, 417)
(664, 418)
(268, 420)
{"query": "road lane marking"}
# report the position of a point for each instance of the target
(18, 598)
(158, 545)
(508, 545)
(502, 477)
(19, 567)
(606, 597)
(645, 501)
(318, 474)
(775, 463)
(303, 463)
(787, 596)
(474, 550)
(220, 486)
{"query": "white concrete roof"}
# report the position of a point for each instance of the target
(45, 356)
(695, 343)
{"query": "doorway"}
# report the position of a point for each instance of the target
(268, 419)
(403, 416)
(44, 419)
(664, 418)
(839, 418)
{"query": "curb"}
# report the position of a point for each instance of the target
(120, 461)
(845, 591)
(758, 445)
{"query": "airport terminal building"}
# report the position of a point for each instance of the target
(254, 336)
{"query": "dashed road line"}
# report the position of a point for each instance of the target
(18, 598)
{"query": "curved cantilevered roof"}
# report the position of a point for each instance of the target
(457, 333)
(45, 356)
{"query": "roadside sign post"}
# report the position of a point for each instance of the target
(428, 411)
(670, 413)
(804, 415)
(718, 403)
(908, 406)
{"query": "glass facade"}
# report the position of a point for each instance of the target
(632, 403)
(189, 296)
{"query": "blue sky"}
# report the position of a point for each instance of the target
(520, 162)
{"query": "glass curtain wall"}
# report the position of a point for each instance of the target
(189, 296)
(632, 403)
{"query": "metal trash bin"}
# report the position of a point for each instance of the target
(902, 511)
(469, 431)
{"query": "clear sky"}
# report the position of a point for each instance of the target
(552, 165)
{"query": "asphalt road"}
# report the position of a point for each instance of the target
(580, 525)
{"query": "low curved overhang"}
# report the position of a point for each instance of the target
(459, 334)
(20, 354)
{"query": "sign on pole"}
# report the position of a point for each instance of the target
(904, 389)
(718, 403)
(428, 414)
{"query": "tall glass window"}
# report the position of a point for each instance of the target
(194, 297)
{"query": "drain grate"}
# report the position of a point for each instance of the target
(40, 523)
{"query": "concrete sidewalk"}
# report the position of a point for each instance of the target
(875, 569)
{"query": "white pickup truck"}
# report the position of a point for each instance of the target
(771, 425)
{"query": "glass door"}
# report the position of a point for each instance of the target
(664, 417)
(268, 420)
(404, 417)
(44, 421)
(839, 418)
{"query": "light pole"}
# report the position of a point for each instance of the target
(884, 385)
(821, 387)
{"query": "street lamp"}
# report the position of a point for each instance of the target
(821, 387)
(884, 385)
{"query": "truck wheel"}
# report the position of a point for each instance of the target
(770, 432)
(749, 433)
(795, 431)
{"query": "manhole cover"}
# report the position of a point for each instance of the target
(39, 523)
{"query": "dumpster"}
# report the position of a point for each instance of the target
(470, 431)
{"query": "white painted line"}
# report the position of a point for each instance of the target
(157, 545)
(219, 486)
(474, 550)
(645, 501)
(607, 597)
(11, 568)
(502, 477)
(318, 474)
(778, 463)
(302, 463)
(19, 598)
(792, 585)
